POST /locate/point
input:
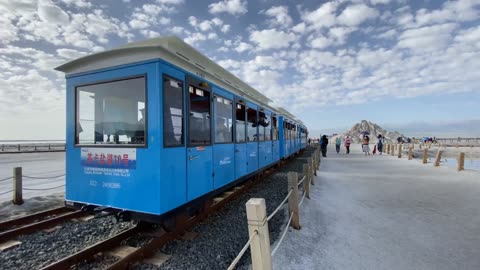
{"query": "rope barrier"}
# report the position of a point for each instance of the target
(280, 206)
(46, 177)
(240, 255)
(301, 180)
(43, 188)
(3, 193)
(4, 179)
(303, 198)
(283, 235)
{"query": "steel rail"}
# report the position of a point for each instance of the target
(107, 244)
(33, 217)
(10, 234)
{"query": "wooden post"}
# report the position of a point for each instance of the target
(392, 150)
(17, 186)
(310, 169)
(293, 200)
(257, 223)
(410, 153)
(306, 182)
(314, 162)
(425, 155)
(461, 161)
(400, 151)
(437, 158)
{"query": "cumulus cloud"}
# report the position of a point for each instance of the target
(279, 16)
(272, 39)
(51, 13)
(357, 14)
(234, 7)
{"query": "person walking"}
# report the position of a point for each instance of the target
(323, 145)
(365, 143)
(338, 143)
(347, 143)
(380, 144)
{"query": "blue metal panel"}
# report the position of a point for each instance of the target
(252, 157)
(224, 164)
(173, 165)
(262, 158)
(138, 188)
(268, 152)
(200, 178)
(276, 151)
(240, 160)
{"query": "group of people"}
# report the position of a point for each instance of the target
(348, 141)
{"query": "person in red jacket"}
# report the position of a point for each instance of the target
(348, 141)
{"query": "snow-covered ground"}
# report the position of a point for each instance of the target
(381, 212)
(39, 165)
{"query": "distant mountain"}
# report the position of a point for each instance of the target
(357, 131)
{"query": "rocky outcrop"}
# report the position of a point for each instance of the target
(357, 131)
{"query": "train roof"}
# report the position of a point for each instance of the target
(173, 50)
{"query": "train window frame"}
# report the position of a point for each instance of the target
(248, 122)
(268, 127)
(76, 143)
(275, 128)
(244, 123)
(191, 82)
(260, 127)
(165, 76)
(215, 98)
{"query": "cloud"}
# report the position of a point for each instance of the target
(78, 3)
(52, 13)
(272, 39)
(357, 14)
(279, 16)
(234, 7)
(427, 38)
(323, 16)
(70, 54)
(243, 46)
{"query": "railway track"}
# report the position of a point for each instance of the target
(35, 222)
(158, 238)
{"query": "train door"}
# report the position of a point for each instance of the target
(275, 139)
(223, 148)
(199, 138)
(252, 138)
(281, 137)
(173, 175)
(261, 138)
(268, 138)
(240, 139)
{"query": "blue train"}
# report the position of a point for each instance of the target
(155, 126)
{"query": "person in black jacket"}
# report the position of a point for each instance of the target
(323, 145)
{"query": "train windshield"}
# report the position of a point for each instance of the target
(111, 112)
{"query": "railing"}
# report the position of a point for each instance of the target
(391, 148)
(18, 188)
(257, 218)
(31, 147)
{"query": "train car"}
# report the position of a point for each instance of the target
(155, 126)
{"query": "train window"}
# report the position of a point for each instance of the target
(199, 117)
(111, 112)
(223, 120)
(268, 128)
(274, 129)
(252, 134)
(240, 123)
(172, 112)
(261, 126)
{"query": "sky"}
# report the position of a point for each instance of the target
(331, 63)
